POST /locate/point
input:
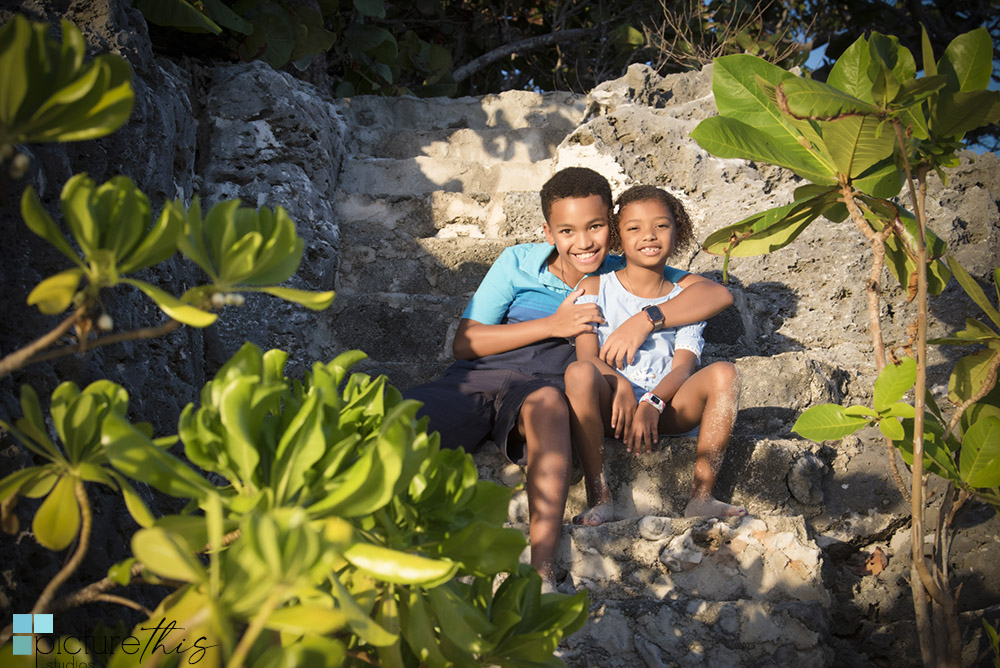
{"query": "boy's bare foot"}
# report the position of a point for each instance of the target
(596, 515)
(712, 507)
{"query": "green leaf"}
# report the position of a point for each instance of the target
(306, 620)
(57, 521)
(417, 627)
(398, 567)
(374, 8)
(856, 144)
(968, 60)
(850, 72)
(12, 484)
(41, 223)
(226, 17)
(970, 375)
(730, 138)
(55, 294)
(860, 411)
(136, 506)
(827, 422)
(807, 99)
(121, 572)
(167, 555)
(357, 618)
(316, 301)
(177, 14)
(173, 307)
(972, 289)
(901, 410)
(892, 429)
(894, 381)
(980, 459)
(770, 230)
(959, 113)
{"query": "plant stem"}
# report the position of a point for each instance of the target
(256, 626)
(91, 592)
(134, 335)
(988, 383)
(20, 358)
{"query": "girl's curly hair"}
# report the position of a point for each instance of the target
(683, 232)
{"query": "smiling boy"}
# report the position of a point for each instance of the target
(512, 348)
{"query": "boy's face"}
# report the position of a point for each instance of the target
(578, 228)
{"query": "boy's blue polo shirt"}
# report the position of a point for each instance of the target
(520, 287)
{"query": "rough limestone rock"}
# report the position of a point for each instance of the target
(404, 204)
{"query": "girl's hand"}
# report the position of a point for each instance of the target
(644, 429)
(622, 344)
(623, 405)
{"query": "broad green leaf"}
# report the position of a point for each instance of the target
(158, 243)
(814, 100)
(226, 17)
(33, 423)
(235, 414)
(892, 429)
(417, 627)
(882, 179)
(927, 53)
(970, 374)
(770, 230)
(167, 555)
(57, 521)
(461, 622)
(12, 484)
(894, 381)
(968, 60)
(136, 506)
(55, 294)
(959, 113)
(972, 289)
(975, 332)
(173, 307)
(484, 550)
(827, 422)
(856, 144)
(730, 138)
(357, 618)
(860, 411)
(399, 567)
(121, 572)
(316, 301)
(901, 410)
(850, 72)
(980, 460)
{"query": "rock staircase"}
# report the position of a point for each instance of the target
(429, 194)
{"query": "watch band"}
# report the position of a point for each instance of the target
(655, 316)
(654, 401)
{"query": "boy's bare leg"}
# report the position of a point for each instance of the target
(587, 391)
(711, 397)
(543, 421)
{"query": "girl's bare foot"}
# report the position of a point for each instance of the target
(596, 515)
(709, 506)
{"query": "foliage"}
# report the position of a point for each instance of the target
(347, 525)
(50, 94)
(872, 126)
(323, 525)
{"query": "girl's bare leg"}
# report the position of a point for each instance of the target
(710, 397)
(587, 391)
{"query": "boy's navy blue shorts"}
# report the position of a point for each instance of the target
(469, 406)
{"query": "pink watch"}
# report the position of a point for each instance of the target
(653, 401)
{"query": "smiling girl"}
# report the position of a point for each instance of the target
(661, 390)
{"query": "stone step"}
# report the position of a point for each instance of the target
(515, 216)
(422, 175)
(488, 146)
(510, 110)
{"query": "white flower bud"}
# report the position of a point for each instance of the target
(218, 299)
(235, 299)
(105, 323)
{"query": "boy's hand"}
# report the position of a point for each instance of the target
(623, 405)
(622, 344)
(571, 319)
(644, 429)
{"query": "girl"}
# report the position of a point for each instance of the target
(660, 390)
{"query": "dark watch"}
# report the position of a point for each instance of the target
(655, 316)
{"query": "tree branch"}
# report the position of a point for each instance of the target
(520, 46)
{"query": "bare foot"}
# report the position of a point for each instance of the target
(596, 515)
(712, 507)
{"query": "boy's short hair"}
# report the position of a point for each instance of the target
(574, 182)
(683, 233)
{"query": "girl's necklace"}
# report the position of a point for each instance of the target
(628, 284)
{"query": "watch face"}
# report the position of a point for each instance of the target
(654, 313)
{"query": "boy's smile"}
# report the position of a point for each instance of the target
(578, 228)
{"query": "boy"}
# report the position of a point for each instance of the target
(512, 349)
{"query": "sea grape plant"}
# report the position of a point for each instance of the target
(872, 127)
(335, 522)
(50, 93)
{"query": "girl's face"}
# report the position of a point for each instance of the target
(647, 229)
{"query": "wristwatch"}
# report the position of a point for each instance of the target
(653, 401)
(655, 316)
